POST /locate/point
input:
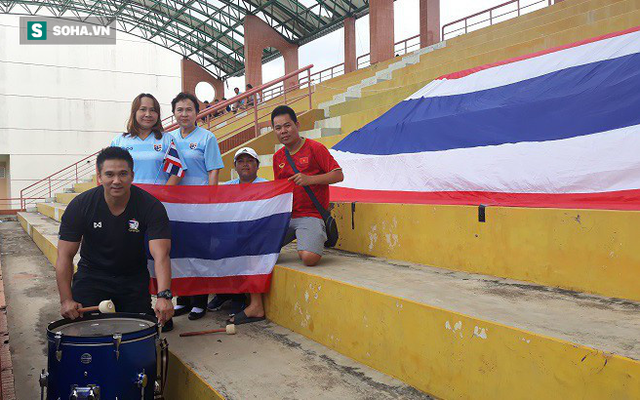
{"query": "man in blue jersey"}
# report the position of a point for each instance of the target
(246, 164)
(199, 150)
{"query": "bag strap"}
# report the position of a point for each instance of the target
(323, 212)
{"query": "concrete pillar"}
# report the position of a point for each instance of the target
(381, 30)
(350, 64)
(258, 35)
(429, 22)
(192, 74)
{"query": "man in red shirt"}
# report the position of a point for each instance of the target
(318, 169)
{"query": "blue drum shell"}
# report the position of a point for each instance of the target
(92, 360)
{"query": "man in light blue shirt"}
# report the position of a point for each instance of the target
(200, 153)
(246, 164)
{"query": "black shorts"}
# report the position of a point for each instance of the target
(129, 293)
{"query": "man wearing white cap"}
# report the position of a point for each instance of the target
(246, 163)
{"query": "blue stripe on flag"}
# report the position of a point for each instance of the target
(572, 102)
(215, 241)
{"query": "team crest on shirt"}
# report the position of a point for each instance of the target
(134, 225)
(157, 147)
(281, 165)
(193, 145)
(304, 160)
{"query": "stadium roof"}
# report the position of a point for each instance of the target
(209, 32)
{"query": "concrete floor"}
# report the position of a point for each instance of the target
(32, 302)
(263, 361)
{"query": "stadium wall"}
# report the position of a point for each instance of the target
(61, 103)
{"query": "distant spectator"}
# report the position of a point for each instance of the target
(206, 105)
(238, 105)
(227, 108)
(250, 101)
(218, 112)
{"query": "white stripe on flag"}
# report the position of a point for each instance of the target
(235, 266)
(601, 162)
(229, 212)
(177, 160)
(507, 74)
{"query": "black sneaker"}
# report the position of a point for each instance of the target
(196, 315)
(168, 326)
(218, 300)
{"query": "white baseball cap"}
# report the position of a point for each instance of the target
(246, 150)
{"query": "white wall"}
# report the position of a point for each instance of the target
(60, 103)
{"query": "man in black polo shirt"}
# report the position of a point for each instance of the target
(112, 221)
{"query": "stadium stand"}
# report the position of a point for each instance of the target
(532, 303)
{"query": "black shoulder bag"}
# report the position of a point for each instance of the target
(329, 222)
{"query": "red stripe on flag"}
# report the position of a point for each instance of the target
(170, 161)
(219, 194)
(226, 284)
(466, 72)
(619, 200)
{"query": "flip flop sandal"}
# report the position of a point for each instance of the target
(241, 318)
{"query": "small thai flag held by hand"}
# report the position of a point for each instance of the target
(172, 162)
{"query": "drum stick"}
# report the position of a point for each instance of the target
(105, 306)
(229, 330)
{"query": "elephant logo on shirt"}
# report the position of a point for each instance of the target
(193, 146)
(157, 147)
(134, 225)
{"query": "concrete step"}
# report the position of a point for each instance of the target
(354, 92)
(207, 367)
(266, 160)
(65, 198)
(84, 186)
(328, 123)
(52, 210)
(459, 335)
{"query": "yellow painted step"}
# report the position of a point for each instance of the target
(52, 210)
(591, 251)
(461, 336)
(65, 198)
(84, 186)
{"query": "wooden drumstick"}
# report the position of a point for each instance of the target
(229, 330)
(105, 306)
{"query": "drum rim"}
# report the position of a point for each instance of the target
(53, 327)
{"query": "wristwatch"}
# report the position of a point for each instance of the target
(165, 294)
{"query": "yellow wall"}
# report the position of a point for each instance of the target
(411, 342)
(585, 250)
(184, 383)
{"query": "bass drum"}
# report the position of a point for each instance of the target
(103, 356)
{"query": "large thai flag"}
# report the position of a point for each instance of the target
(558, 128)
(224, 239)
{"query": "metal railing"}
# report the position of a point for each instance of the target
(46, 188)
(490, 16)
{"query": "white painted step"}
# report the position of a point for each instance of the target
(355, 91)
(335, 122)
